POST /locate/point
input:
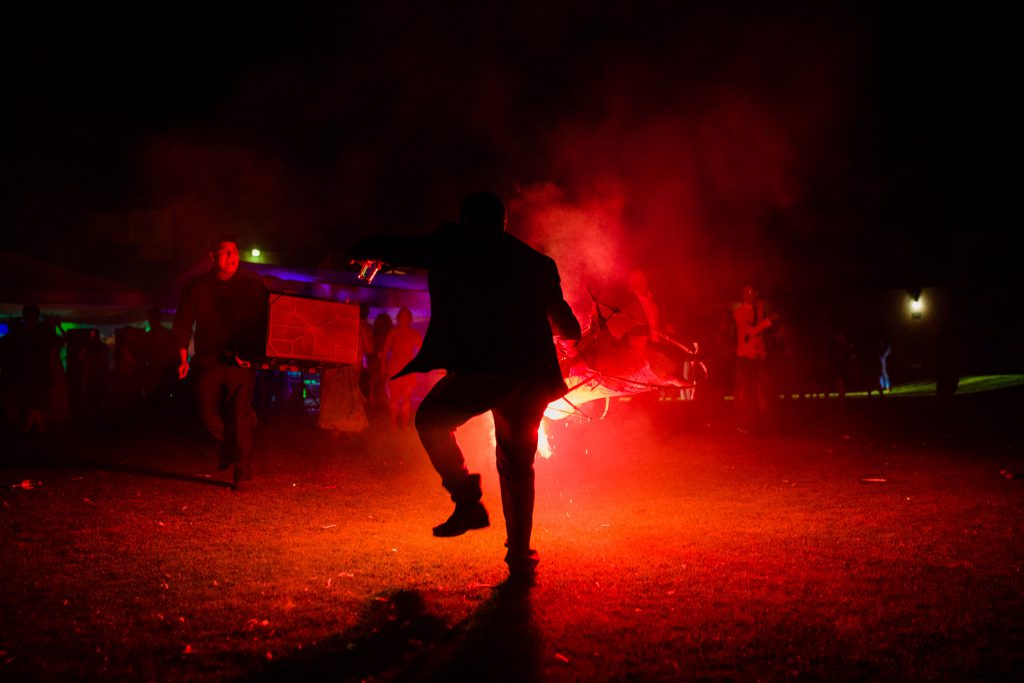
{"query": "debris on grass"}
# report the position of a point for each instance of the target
(873, 480)
(27, 484)
(251, 624)
(328, 526)
(562, 658)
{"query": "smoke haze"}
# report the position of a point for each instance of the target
(708, 146)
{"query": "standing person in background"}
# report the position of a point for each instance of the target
(843, 355)
(28, 373)
(495, 303)
(751, 351)
(871, 356)
(400, 347)
(161, 359)
(33, 387)
(229, 310)
(884, 351)
(59, 404)
(377, 365)
(342, 401)
(91, 395)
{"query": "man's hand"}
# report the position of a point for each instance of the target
(242, 363)
(568, 347)
(570, 353)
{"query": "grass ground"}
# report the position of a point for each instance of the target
(883, 542)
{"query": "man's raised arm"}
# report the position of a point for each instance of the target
(416, 252)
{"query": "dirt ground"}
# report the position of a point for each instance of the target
(883, 541)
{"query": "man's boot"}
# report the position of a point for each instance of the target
(469, 513)
(522, 567)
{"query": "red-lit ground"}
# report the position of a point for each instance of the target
(672, 548)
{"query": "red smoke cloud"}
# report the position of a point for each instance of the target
(585, 235)
(704, 183)
(691, 148)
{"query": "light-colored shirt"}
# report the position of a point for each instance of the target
(750, 326)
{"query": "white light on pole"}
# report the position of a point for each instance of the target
(916, 307)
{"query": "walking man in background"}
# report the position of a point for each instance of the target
(495, 304)
(229, 310)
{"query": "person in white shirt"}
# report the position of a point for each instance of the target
(751, 324)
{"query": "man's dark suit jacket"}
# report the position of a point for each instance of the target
(495, 303)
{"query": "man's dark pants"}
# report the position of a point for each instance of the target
(518, 407)
(749, 388)
(224, 398)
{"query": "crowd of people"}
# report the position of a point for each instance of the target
(351, 397)
(756, 356)
(51, 376)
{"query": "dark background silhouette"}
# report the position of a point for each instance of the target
(745, 135)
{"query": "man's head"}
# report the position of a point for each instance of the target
(224, 256)
(404, 317)
(484, 211)
(749, 294)
(30, 313)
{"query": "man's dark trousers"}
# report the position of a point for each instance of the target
(224, 396)
(518, 407)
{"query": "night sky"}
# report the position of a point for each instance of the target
(710, 146)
